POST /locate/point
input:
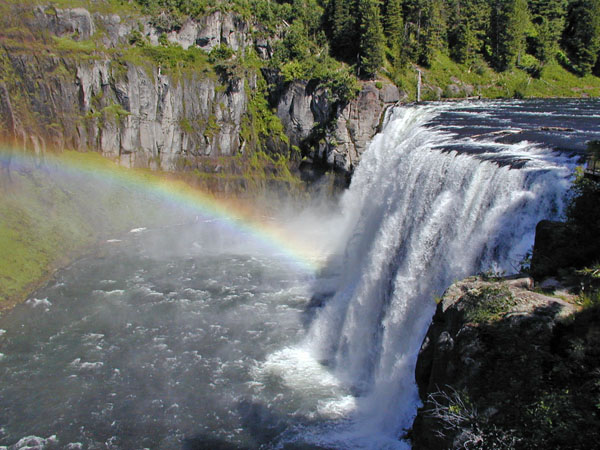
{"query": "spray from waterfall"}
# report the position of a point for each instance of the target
(417, 218)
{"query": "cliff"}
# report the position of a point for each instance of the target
(333, 134)
(194, 97)
(503, 366)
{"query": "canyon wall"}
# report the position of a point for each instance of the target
(86, 84)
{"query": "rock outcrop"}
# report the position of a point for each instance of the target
(562, 245)
(333, 134)
(73, 22)
(489, 342)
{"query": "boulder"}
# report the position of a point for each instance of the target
(557, 246)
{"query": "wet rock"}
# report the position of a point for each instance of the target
(558, 245)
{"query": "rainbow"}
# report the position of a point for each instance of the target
(229, 214)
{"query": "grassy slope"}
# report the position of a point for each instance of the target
(48, 216)
(555, 81)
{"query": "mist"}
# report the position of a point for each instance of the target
(177, 318)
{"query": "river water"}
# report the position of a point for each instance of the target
(195, 336)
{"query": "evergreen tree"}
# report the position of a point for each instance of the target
(344, 28)
(413, 21)
(548, 18)
(582, 34)
(434, 35)
(371, 39)
(508, 24)
(468, 24)
(394, 31)
(425, 28)
(394, 24)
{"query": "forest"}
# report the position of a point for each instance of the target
(372, 36)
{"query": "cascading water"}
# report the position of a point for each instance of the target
(418, 218)
(199, 335)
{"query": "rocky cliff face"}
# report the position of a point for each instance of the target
(132, 113)
(333, 134)
(129, 110)
(95, 93)
(489, 361)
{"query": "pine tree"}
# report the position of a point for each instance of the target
(394, 31)
(508, 24)
(371, 39)
(425, 24)
(434, 35)
(468, 24)
(548, 18)
(344, 28)
(413, 27)
(393, 21)
(582, 34)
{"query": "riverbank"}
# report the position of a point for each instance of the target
(58, 206)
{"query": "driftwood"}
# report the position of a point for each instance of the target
(506, 132)
(556, 129)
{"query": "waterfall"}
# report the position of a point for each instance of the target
(418, 218)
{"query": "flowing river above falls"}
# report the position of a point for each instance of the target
(196, 336)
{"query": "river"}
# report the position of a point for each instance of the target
(198, 336)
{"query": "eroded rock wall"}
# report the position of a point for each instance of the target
(334, 134)
(133, 113)
(100, 99)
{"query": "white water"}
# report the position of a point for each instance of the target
(417, 219)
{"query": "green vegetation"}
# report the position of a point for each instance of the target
(375, 38)
(487, 304)
(45, 221)
(503, 48)
(370, 51)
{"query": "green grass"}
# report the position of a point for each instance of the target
(47, 218)
(68, 45)
(39, 227)
(555, 81)
(488, 303)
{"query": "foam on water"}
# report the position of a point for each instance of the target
(39, 302)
